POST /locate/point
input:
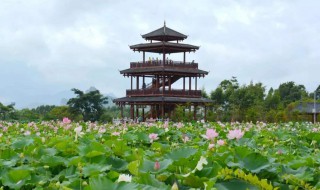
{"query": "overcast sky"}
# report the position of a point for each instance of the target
(49, 47)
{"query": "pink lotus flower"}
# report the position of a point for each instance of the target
(66, 120)
(27, 133)
(211, 134)
(185, 138)
(166, 124)
(221, 142)
(156, 165)
(115, 133)
(153, 137)
(210, 146)
(235, 134)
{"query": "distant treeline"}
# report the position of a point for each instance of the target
(232, 102)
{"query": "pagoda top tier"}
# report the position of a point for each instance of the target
(164, 34)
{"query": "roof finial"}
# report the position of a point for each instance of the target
(164, 26)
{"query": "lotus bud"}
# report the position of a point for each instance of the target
(156, 165)
(175, 186)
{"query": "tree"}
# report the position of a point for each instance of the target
(290, 92)
(89, 104)
(5, 110)
(59, 112)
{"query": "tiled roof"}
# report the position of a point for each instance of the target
(307, 107)
(164, 47)
(164, 34)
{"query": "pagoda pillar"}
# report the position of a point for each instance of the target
(184, 83)
(132, 111)
(189, 84)
(121, 107)
(137, 87)
(131, 82)
(184, 57)
(162, 111)
(143, 114)
(205, 113)
(169, 78)
(163, 58)
(143, 81)
(195, 83)
(144, 57)
(157, 84)
(137, 112)
(163, 84)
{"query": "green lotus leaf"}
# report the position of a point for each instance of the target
(102, 183)
(53, 160)
(180, 153)
(16, 178)
(116, 163)
(148, 166)
(193, 181)
(253, 162)
(134, 167)
(94, 169)
(22, 142)
(92, 149)
(149, 179)
(235, 184)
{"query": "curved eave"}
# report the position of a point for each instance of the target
(163, 69)
(165, 38)
(164, 34)
(164, 47)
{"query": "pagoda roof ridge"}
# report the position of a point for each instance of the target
(164, 34)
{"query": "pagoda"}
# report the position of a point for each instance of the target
(152, 79)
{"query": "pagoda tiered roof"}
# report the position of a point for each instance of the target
(158, 70)
(164, 34)
(164, 47)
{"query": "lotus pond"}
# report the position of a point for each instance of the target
(91, 156)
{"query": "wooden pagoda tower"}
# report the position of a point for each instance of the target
(153, 78)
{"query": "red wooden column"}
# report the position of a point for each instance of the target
(144, 57)
(163, 84)
(169, 83)
(189, 84)
(195, 83)
(143, 114)
(121, 106)
(137, 87)
(132, 111)
(137, 112)
(157, 84)
(184, 83)
(162, 111)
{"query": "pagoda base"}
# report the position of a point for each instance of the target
(160, 107)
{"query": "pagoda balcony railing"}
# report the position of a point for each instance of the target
(168, 63)
(166, 92)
